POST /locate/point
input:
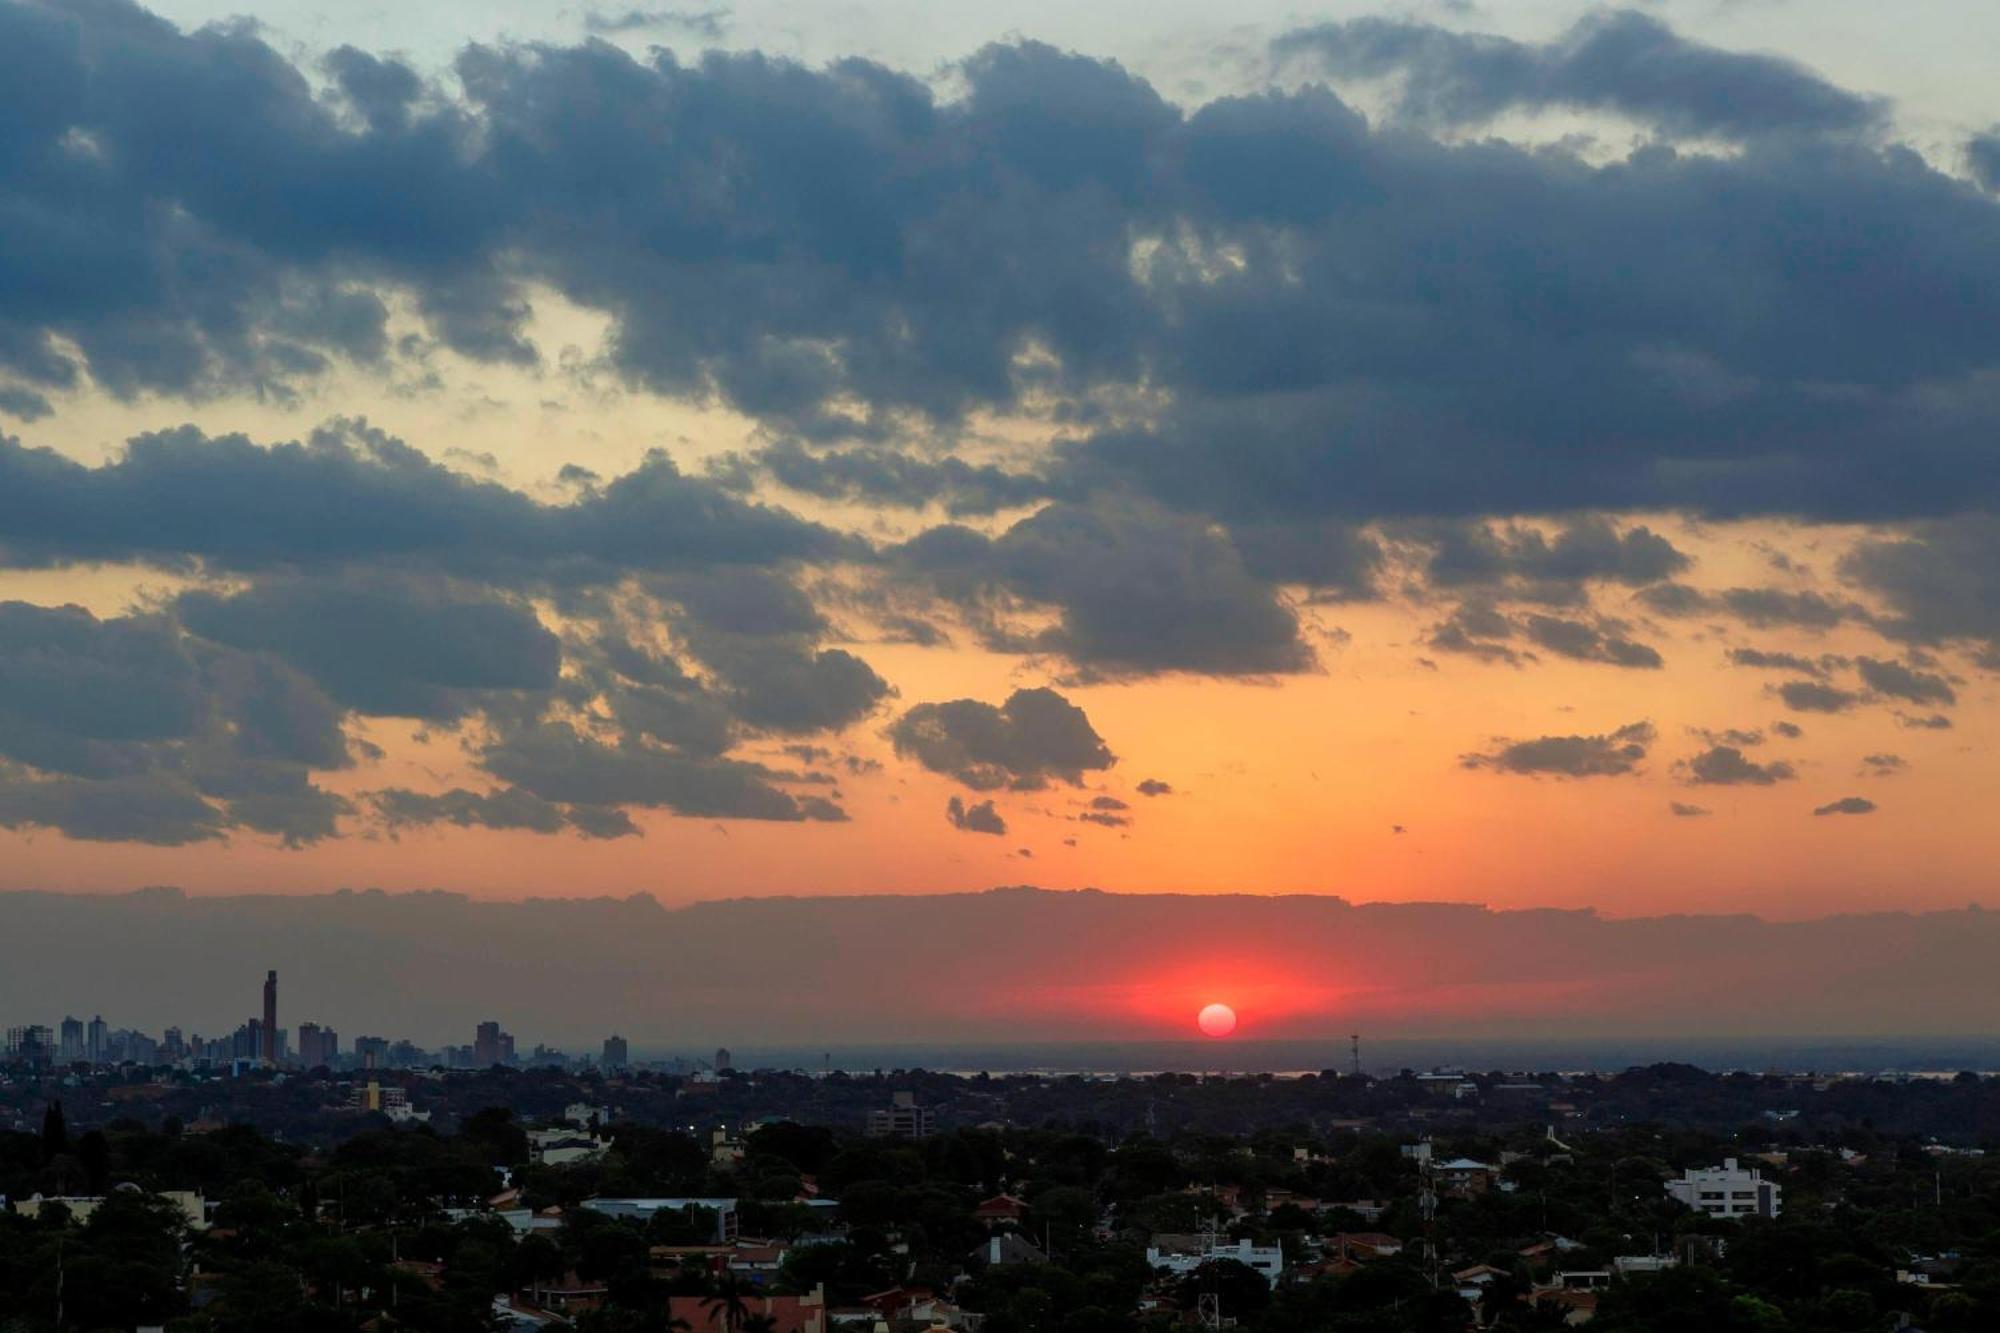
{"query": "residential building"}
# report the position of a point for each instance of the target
(1182, 1255)
(642, 1211)
(1727, 1191)
(903, 1119)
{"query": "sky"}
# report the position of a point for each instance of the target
(1536, 455)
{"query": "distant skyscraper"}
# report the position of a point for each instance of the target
(317, 1045)
(95, 1041)
(616, 1055)
(270, 1051)
(723, 1059)
(486, 1045)
(71, 1049)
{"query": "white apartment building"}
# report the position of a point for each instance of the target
(1183, 1258)
(1726, 1191)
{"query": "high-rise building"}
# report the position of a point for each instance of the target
(269, 1054)
(723, 1059)
(616, 1054)
(173, 1045)
(486, 1045)
(70, 1050)
(95, 1039)
(317, 1046)
(371, 1052)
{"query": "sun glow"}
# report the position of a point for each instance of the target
(1216, 1020)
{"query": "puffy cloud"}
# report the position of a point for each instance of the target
(1584, 549)
(1776, 661)
(1847, 805)
(1764, 608)
(1811, 696)
(882, 475)
(1034, 737)
(1602, 642)
(162, 809)
(399, 647)
(1941, 581)
(1136, 590)
(980, 818)
(1916, 722)
(1607, 755)
(833, 250)
(1155, 787)
(1683, 810)
(350, 493)
(1620, 61)
(558, 763)
(1899, 680)
(1884, 765)
(507, 808)
(1726, 766)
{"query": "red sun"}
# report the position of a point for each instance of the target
(1217, 1020)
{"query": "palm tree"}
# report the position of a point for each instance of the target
(730, 1300)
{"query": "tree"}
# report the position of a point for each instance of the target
(55, 1134)
(730, 1300)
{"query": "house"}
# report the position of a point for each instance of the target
(1008, 1247)
(1361, 1246)
(787, 1314)
(1463, 1178)
(1726, 1191)
(1001, 1209)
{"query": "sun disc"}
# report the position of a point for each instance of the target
(1217, 1020)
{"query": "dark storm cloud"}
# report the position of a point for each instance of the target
(1620, 61)
(351, 493)
(386, 646)
(1726, 766)
(826, 249)
(81, 695)
(792, 690)
(1847, 805)
(1137, 590)
(1898, 680)
(1035, 737)
(1608, 755)
(980, 818)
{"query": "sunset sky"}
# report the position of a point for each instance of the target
(1537, 454)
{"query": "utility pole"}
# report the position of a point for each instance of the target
(1355, 1039)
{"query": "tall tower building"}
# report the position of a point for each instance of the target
(486, 1045)
(617, 1055)
(270, 1051)
(97, 1038)
(70, 1050)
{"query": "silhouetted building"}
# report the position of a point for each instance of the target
(95, 1040)
(616, 1055)
(70, 1050)
(904, 1119)
(269, 1053)
(723, 1059)
(317, 1045)
(491, 1046)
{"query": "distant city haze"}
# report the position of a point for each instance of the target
(1018, 967)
